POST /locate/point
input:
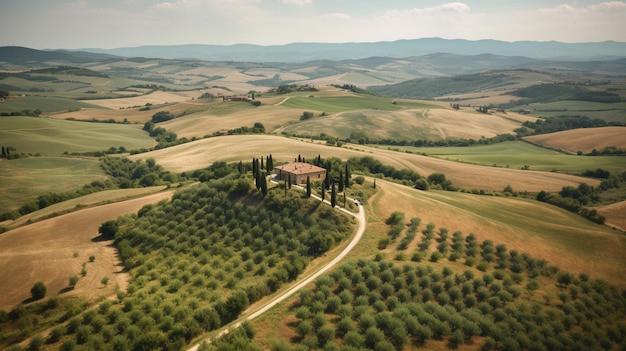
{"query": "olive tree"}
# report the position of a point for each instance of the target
(38, 291)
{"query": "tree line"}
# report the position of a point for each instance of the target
(124, 173)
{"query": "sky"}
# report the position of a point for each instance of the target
(74, 24)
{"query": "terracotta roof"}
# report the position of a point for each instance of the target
(300, 168)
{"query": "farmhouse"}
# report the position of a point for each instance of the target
(298, 171)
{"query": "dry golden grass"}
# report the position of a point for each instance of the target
(203, 153)
(135, 115)
(132, 115)
(155, 98)
(585, 139)
(467, 124)
(99, 198)
(207, 123)
(44, 251)
(543, 231)
(615, 215)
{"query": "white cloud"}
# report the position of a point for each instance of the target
(177, 4)
(611, 5)
(449, 7)
(601, 7)
(434, 11)
(165, 5)
(336, 16)
(298, 2)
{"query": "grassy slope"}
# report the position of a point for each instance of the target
(608, 112)
(517, 154)
(46, 251)
(45, 104)
(202, 153)
(95, 199)
(560, 237)
(54, 137)
(23, 180)
(584, 140)
(230, 115)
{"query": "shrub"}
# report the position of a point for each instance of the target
(38, 291)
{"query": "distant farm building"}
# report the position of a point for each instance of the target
(236, 98)
(298, 171)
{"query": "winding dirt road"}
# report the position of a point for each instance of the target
(303, 281)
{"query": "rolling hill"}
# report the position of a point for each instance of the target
(402, 48)
(585, 140)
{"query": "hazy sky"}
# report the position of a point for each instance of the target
(75, 24)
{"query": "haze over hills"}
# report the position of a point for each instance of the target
(300, 52)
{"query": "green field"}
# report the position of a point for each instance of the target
(23, 180)
(42, 103)
(614, 112)
(374, 124)
(518, 154)
(95, 199)
(341, 103)
(32, 135)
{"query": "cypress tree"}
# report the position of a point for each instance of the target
(262, 166)
(257, 180)
(299, 158)
(270, 164)
(340, 181)
(263, 184)
(319, 161)
(327, 181)
(285, 187)
(333, 195)
(4, 153)
(254, 167)
(323, 193)
(241, 167)
(348, 176)
(308, 186)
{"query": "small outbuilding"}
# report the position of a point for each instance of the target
(298, 171)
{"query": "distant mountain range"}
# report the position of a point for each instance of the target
(301, 52)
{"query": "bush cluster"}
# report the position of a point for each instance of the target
(383, 305)
(199, 260)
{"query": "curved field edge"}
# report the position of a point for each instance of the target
(615, 215)
(202, 153)
(584, 139)
(91, 200)
(53, 250)
(22, 180)
(519, 155)
(48, 136)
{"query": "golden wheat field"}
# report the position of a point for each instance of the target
(202, 153)
(585, 139)
(53, 250)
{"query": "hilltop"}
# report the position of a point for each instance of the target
(301, 52)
